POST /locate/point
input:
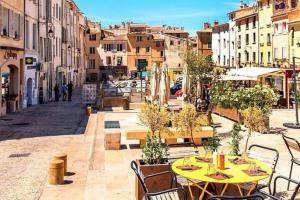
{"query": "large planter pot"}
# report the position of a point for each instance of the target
(155, 184)
(230, 113)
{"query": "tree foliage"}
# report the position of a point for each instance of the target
(154, 151)
(235, 139)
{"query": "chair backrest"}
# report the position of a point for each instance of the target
(252, 197)
(134, 167)
(172, 194)
(271, 158)
(291, 144)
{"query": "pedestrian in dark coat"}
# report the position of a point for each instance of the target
(56, 92)
(70, 91)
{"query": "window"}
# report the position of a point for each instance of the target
(261, 58)
(119, 47)
(268, 3)
(276, 53)
(284, 53)
(147, 49)
(4, 25)
(247, 56)
(254, 38)
(92, 50)
(247, 23)
(247, 38)
(269, 57)
(269, 39)
(254, 56)
(224, 43)
(232, 43)
(27, 34)
(161, 53)
(239, 26)
(171, 42)
(157, 43)
(261, 39)
(108, 47)
(108, 60)
(254, 22)
(92, 64)
(119, 60)
(224, 60)
(93, 37)
(139, 38)
(209, 45)
(34, 36)
(137, 50)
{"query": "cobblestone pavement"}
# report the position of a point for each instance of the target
(29, 138)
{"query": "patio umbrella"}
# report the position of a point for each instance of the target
(185, 82)
(164, 92)
(154, 81)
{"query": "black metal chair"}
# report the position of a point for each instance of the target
(289, 195)
(293, 145)
(252, 197)
(173, 193)
(256, 151)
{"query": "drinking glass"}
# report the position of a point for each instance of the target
(252, 167)
(244, 156)
(209, 154)
(186, 161)
(211, 169)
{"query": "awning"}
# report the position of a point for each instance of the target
(249, 73)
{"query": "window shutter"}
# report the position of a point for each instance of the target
(11, 23)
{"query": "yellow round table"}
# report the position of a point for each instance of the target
(234, 170)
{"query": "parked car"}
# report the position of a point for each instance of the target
(175, 88)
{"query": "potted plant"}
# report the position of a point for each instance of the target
(212, 144)
(235, 139)
(253, 118)
(154, 151)
(187, 121)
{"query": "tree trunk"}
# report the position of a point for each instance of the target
(247, 140)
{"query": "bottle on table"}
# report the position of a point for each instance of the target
(221, 161)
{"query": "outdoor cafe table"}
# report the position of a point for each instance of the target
(239, 177)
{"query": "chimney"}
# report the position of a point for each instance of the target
(216, 23)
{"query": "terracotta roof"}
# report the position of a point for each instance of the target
(208, 30)
(138, 25)
(156, 28)
(174, 31)
(158, 37)
(116, 38)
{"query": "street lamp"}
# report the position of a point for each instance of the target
(297, 124)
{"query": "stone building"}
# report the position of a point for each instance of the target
(92, 40)
(204, 40)
(144, 48)
(11, 55)
(265, 11)
(246, 32)
(221, 44)
(31, 56)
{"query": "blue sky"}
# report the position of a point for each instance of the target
(187, 13)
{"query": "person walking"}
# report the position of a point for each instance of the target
(70, 91)
(65, 92)
(56, 92)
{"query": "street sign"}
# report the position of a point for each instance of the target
(29, 60)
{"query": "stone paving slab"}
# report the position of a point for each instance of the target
(50, 128)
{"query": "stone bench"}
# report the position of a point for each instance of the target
(170, 135)
(112, 140)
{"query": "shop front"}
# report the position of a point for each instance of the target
(31, 81)
(11, 68)
(290, 85)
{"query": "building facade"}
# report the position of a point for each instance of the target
(204, 40)
(92, 40)
(144, 49)
(113, 51)
(246, 32)
(31, 56)
(265, 12)
(11, 55)
(280, 34)
(221, 44)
